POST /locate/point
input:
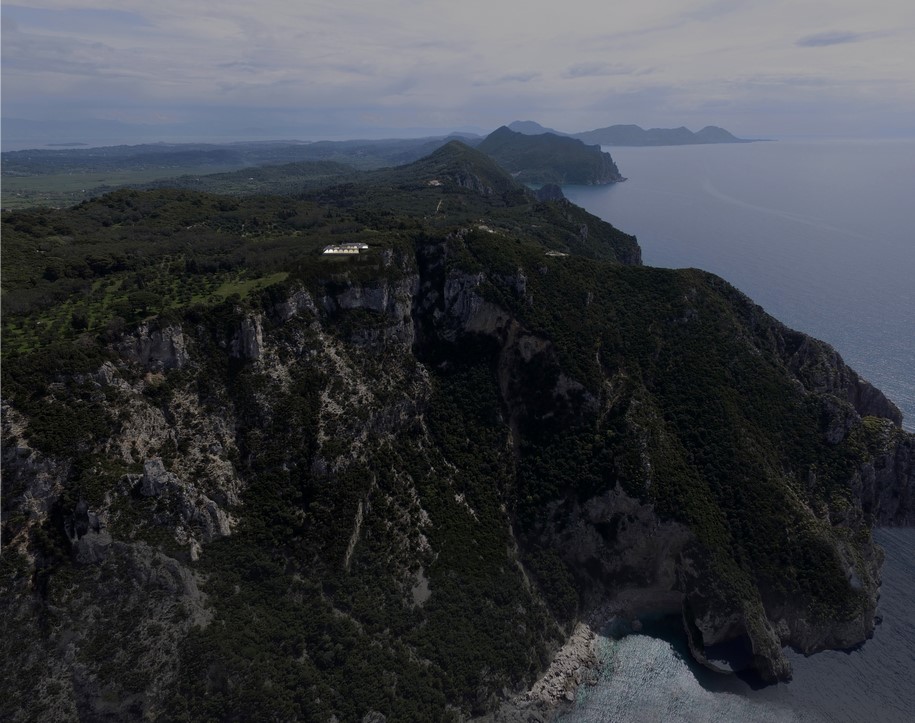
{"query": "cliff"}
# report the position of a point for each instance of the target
(418, 468)
(549, 158)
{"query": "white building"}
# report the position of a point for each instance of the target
(348, 248)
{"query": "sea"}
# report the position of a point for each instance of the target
(821, 234)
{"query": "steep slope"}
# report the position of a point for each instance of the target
(468, 168)
(549, 158)
(390, 484)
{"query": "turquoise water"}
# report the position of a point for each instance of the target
(822, 235)
(651, 677)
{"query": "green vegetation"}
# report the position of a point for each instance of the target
(132, 254)
(66, 176)
(549, 158)
(389, 465)
(715, 464)
(67, 189)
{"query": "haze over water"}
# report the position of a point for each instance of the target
(821, 235)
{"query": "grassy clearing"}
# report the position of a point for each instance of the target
(67, 189)
(243, 287)
(114, 300)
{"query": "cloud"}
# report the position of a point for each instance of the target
(27, 53)
(327, 65)
(586, 70)
(520, 77)
(821, 40)
(525, 77)
(774, 80)
(596, 70)
(74, 20)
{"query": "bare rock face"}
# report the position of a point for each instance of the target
(156, 479)
(155, 348)
(821, 369)
(89, 541)
(465, 310)
(298, 302)
(473, 183)
(193, 508)
(389, 302)
(30, 479)
(248, 342)
(629, 561)
(886, 485)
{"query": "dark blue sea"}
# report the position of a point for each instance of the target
(821, 235)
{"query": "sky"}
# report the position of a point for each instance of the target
(310, 69)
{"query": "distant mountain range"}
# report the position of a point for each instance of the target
(633, 135)
(530, 152)
(532, 128)
(73, 174)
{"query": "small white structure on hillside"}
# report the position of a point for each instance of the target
(349, 248)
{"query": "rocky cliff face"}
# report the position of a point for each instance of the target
(884, 484)
(820, 368)
(432, 473)
(549, 158)
(625, 555)
(549, 192)
(156, 348)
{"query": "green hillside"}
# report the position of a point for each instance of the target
(549, 158)
(245, 479)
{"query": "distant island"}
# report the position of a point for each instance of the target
(633, 135)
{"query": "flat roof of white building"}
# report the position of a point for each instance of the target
(346, 248)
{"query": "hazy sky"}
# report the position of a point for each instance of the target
(312, 69)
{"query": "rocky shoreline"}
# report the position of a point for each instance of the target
(575, 664)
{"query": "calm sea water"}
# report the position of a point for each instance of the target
(822, 235)
(651, 676)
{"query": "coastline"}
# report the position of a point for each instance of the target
(575, 664)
